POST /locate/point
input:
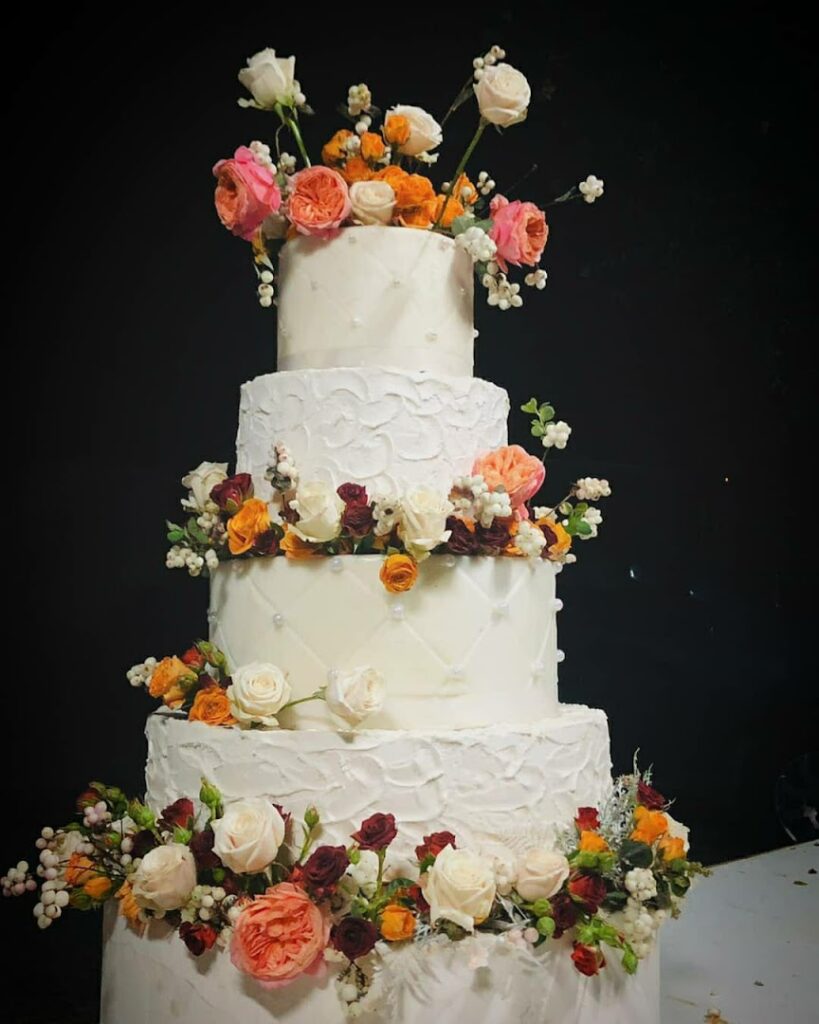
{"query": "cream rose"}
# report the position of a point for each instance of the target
(257, 693)
(356, 694)
(270, 79)
(676, 830)
(459, 887)
(165, 878)
(373, 201)
(422, 522)
(503, 95)
(248, 835)
(541, 873)
(319, 509)
(201, 481)
(425, 132)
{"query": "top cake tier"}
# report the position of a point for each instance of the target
(376, 296)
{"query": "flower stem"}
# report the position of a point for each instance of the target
(470, 149)
(318, 695)
(382, 853)
(293, 125)
(305, 846)
(462, 96)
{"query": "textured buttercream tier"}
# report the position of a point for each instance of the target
(376, 296)
(153, 979)
(499, 786)
(391, 430)
(473, 643)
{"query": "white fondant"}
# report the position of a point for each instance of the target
(390, 430)
(399, 297)
(447, 658)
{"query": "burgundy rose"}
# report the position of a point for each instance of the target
(495, 537)
(433, 844)
(587, 959)
(463, 537)
(232, 493)
(649, 797)
(587, 820)
(324, 867)
(416, 894)
(377, 832)
(357, 520)
(232, 884)
(194, 658)
(143, 842)
(353, 494)
(201, 845)
(199, 937)
(354, 937)
(285, 815)
(589, 891)
(179, 814)
(564, 912)
(550, 535)
(267, 543)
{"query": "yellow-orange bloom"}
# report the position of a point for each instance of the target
(648, 825)
(356, 169)
(252, 519)
(591, 842)
(128, 906)
(168, 673)
(671, 848)
(175, 697)
(392, 174)
(294, 547)
(372, 147)
(334, 151)
(80, 869)
(422, 216)
(464, 191)
(97, 887)
(558, 541)
(211, 707)
(412, 190)
(397, 923)
(399, 573)
(396, 129)
(454, 208)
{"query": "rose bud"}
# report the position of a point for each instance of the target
(376, 832)
(232, 493)
(354, 937)
(353, 494)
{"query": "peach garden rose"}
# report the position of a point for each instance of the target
(520, 474)
(519, 230)
(246, 193)
(319, 202)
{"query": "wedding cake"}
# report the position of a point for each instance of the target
(364, 784)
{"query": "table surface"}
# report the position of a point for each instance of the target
(746, 948)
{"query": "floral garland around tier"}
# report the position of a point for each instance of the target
(236, 876)
(490, 512)
(372, 174)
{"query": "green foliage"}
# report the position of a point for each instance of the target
(211, 798)
(615, 900)
(543, 414)
(143, 816)
(636, 855)
(589, 861)
(182, 836)
(427, 863)
(542, 908)
(546, 926)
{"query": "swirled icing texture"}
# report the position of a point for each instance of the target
(376, 296)
(390, 430)
(472, 644)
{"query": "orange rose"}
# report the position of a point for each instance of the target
(422, 216)
(294, 547)
(356, 169)
(396, 129)
(649, 825)
(558, 541)
(251, 520)
(393, 175)
(520, 474)
(399, 573)
(372, 147)
(591, 842)
(128, 906)
(97, 887)
(175, 697)
(454, 208)
(458, 191)
(79, 870)
(335, 151)
(397, 923)
(671, 849)
(212, 707)
(168, 673)
(412, 190)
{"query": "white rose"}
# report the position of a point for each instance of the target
(676, 830)
(459, 887)
(422, 526)
(319, 509)
(541, 873)
(503, 95)
(425, 132)
(257, 693)
(271, 79)
(165, 878)
(364, 875)
(248, 835)
(373, 201)
(355, 694)
(201, 481)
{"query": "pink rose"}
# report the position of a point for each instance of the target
(246, 193)
(519, 230)
(319, 202)
(513, 468)
(279, 936)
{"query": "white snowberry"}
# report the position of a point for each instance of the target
(556, 435)
(591, 188)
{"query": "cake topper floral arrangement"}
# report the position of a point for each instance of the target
(374, 172)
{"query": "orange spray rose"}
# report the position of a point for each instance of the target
(399, 573)
(252, 519)
(211, 707)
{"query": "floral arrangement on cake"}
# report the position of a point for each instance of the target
(236, 875)
(374, 173)
(489, 512)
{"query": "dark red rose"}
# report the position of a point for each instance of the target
(589, 891)
(463, 538)
(565, 913)
(232, 884)
(357, 520)
(550, 535)
(354, 937)
(267, 543)
(587, 959)
(416, 894)
(494, 538)
(179, 814)
(353, 494)
(324, 867)
(377, 832)
(143, 842)
(284, 815)
(199, 937)
(87, 798)
(194, 658)
(232, 493)
(202, 849)
(432, 845)
(649, 797)
(587, 820)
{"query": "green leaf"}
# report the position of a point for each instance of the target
(546, 412)
(680, 885)
(174, 536)
(589, 861)
(460, 224)
(531, 406)
(583, 528)
(636, 855)
(426, 863)
(485, 225)
(615, 901)
(537, 429)
(629, 960)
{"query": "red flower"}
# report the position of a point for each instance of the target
(201, 845)
(179, 814)
(357, 519)
(589, 891)
(87, 799)
(267, 543)
(649, 797)
(494, 538)
(143, 842)
(416, 894)
(324, 867)
(377, 832)
(353, 494)
(564, 912)
(232, 493)
(432, 845)
(587, 820)
(588, 959)
(463, 539)
(198, 937)
(354, 937)
(194, 658)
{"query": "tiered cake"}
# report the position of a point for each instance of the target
(376, 354)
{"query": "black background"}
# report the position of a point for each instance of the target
(672, 336)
